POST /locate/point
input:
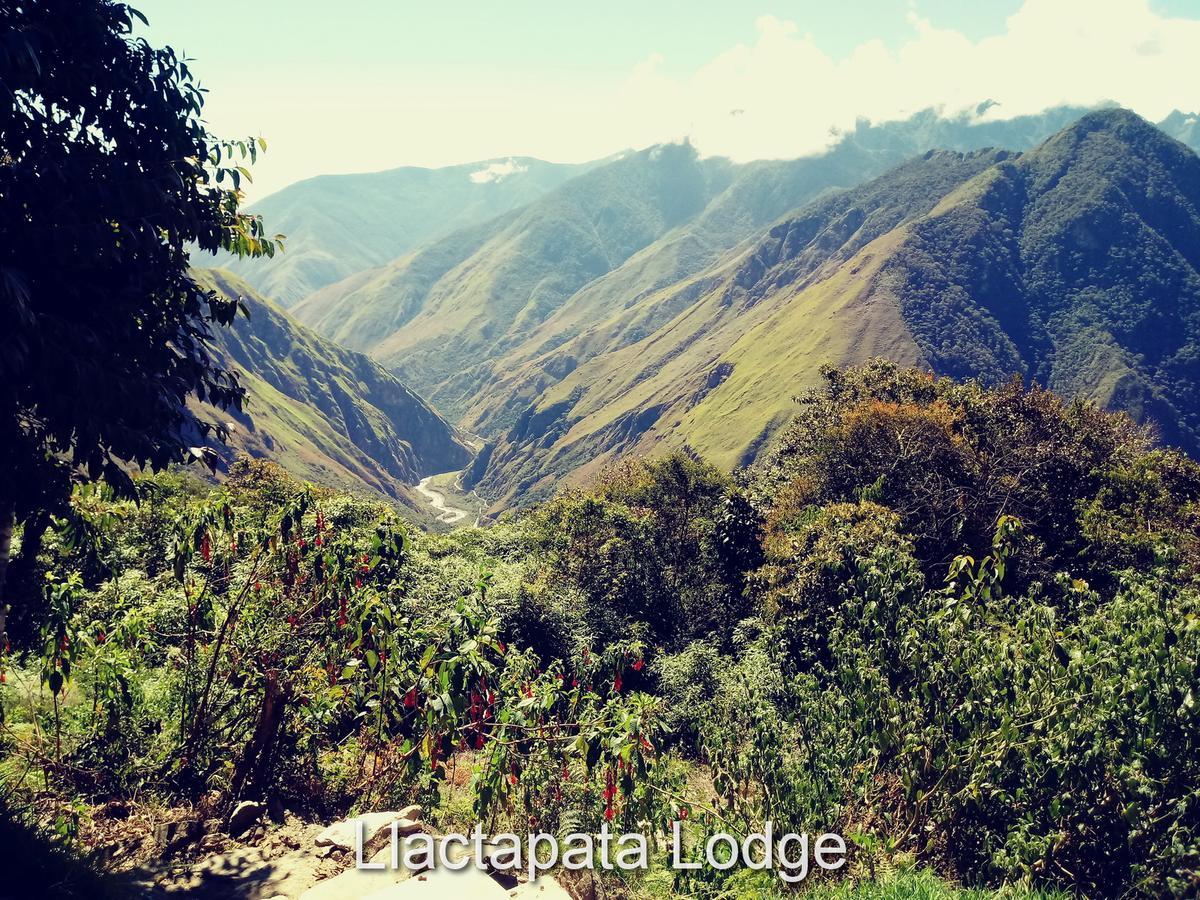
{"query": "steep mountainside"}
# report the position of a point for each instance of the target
(325, 413)
(1076, 263)
(337, 225)
(767, 316)
(466, 320)
(437, 312)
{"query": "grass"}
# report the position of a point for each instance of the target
(918, 884)
(922, 885)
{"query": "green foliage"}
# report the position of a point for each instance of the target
(288, 648)
(661, 543)
(105, 330)
(950, 459)
(956, 624)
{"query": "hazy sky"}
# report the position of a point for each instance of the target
(361, 85)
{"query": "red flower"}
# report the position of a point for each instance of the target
(617, 683)
(637, 666)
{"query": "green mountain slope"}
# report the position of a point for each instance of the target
(1075, 263)
(438, 312)
(1078, 264)
(754, 328)
(470, 321)
(337, 225)
(325, 413)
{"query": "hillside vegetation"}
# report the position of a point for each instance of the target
(337, 225)
(666, 299)
(956, 624)
(327, 414)
(1073, 264)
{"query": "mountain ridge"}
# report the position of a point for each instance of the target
(325, 413)
(912, 294)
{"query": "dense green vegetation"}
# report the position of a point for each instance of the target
(957, 624)
(109, 178)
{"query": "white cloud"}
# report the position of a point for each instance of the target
(497, 171)
(781, 95)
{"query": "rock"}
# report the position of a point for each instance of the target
(412, 812)
(545, 888)
(355, 883)
(171, 836)
(443, 884)
(237, 872)
(344, 834)
(244, 815)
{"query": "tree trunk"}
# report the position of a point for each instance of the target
(7, 524)
(23, 587)
(249, 776)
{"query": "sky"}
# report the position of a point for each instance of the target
(364, 85)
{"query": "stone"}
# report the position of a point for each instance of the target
(545, 888)
(344, 834)
(355, 883)
(412, 812)
(171, 836)
(244, 816)
(443, 884)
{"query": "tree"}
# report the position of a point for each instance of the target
(108, 179)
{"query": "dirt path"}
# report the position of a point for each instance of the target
(446, 513)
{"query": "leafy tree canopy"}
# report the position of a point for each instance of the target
(108, 178)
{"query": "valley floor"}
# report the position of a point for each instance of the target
(450, 503)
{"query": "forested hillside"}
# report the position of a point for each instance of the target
(740, 515)
(955, 624)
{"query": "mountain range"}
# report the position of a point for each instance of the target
(337, 225)
(661, 298)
